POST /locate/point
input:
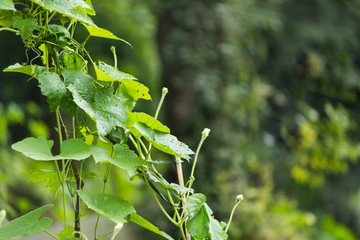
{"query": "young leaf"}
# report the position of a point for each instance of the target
(108, 205)
(198, 225)
(75, 149)
(7, 5)
(25, 25)
(48, 177)
(148, 225)
(100, 32)
(52, 87)
(71, 61)
(32, 70)
(6, 16)
(67, 232)
(105, 72)
(26, 224)
(70, 8)
(35, 148)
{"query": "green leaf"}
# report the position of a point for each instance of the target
(157, 177)
(134, 89)
(216, 231)
(105, 108)
(123, 157)
(35, 148)
(32, 70)
(25, 25)
(198, 226)
(67, 232)
(75, 149)
(137, 117)
(100, 32)
(108, 205)
(90, 11)
(100, 154)
(26, 224)
(71, 8)
(126, 159)
(7, 5)
(48, 177)
(40, 149)
(71, 61)
(52, 87)
(147, 225)
(105, 72)
(163, 141)
(195, 202)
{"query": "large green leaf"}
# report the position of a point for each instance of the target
(6, 17)
(26, 25)
(105, 108)
(198, 226)
(108, 205)
(147, 225)
(75, 149)
(52, 87)
(35, 148)
(26, 224)
(100, 32)
(48, 177)
(40, 149)
(72, 8)
(7, 5)
(105, 72)
(32, 70)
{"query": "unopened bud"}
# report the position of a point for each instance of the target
(239, 198)
(2, 215)
(119, 226)
(164, 90)
(205, 132)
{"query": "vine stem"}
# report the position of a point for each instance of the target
(181, 183)
(50, 234)
(239, 198)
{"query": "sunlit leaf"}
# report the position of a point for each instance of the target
(148, 225)
(105, 72)
(71, 8)
(101, 32)
(6, 17)
(67, 232)
(108, 205)
(26, 224)
(137, 117)
(48, 177)
(32, 70)
(7, 5)
(134, 89)
(52, 87)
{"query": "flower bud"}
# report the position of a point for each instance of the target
(239, 198)
(205, 132)
(119, 226)
(165, 90)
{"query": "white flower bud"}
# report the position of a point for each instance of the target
(119, 226)
(239, 198)
(165, 90)
(205, 132)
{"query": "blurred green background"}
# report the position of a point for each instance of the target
(276, 81)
